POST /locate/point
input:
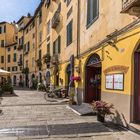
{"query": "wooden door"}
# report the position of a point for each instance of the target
(92, 92)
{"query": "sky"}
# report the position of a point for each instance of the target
(12, 10)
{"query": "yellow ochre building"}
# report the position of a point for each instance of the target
(91, 42)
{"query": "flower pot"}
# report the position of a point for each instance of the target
(100, 118)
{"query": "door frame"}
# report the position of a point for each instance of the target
(136, 85)
(98, 62)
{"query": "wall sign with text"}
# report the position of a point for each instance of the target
(115, 81)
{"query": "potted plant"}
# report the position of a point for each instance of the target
(7, 88)
(102, 108)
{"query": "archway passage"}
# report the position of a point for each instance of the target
(93, 79)
(137, 85)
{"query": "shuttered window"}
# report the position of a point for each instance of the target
(57, 46)
(15, 57)
(92, 11)
(48, 48)
(69, 33)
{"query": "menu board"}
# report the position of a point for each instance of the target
(115, 81)
(118, 81)
(109, 81)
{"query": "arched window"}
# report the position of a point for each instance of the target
(94, 59)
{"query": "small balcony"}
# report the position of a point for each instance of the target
(131, 7)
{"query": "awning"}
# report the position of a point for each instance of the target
(4, 73)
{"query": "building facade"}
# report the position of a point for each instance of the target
(88, 43)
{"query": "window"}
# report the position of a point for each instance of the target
(15, 57)
(48, 27)
(68, 2)
(33, 35)
(8, 69)
(33, 62)
(92, 11)
(14, 68)
(40, 54)
(0, 30)
(69, 12)
(8, 58)
(2, 43)
(2, 59)
(48, 48)
(69, 33)
(40, 17)
(57, 46)
(33, 45)
(40, 37)
(8, 49)
(15, 47)
(4, 28)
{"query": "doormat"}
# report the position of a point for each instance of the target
(82, 110)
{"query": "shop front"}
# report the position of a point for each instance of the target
(112, 74)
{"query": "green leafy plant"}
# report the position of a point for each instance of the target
(7, 88)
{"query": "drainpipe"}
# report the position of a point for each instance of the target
(78, 28)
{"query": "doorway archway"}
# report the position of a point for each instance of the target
(93, 78)
(136, 85)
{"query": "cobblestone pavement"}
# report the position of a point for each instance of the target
(28, 116)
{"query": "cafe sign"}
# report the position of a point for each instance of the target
(123, 69)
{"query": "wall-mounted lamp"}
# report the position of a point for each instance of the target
(112, 43)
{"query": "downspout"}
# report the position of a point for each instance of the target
(35, 44)
(78, 28)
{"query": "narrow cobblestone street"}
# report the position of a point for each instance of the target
(27, 115)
